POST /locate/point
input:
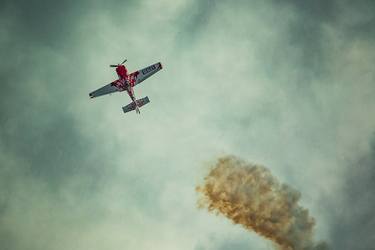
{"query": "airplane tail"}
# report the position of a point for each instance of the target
(131, 106)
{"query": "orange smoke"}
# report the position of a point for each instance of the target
(249, 195)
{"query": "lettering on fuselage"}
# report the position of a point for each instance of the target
(148, 70)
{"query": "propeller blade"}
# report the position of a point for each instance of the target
(114, 66)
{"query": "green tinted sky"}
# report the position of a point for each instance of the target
(288, 84)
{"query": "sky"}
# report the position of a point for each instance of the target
(286, 84)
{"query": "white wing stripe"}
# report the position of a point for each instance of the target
(107, 89)
(147, 72)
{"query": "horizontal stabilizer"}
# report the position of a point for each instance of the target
(131, 106)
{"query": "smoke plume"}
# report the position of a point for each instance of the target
(249, 195)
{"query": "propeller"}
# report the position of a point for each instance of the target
(114, 66)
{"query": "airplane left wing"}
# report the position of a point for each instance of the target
(141, 75)
(107, 89)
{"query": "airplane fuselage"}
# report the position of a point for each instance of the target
(123, 83)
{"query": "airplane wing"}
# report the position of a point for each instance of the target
(107, 89)
(141, 75)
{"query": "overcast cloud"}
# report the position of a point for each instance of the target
(287, 84)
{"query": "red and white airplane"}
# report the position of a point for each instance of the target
(127, 82)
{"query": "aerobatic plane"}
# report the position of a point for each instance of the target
(127, 82)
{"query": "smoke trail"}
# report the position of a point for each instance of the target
(249, 195)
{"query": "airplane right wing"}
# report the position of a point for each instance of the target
(107, 89)
(141, 75)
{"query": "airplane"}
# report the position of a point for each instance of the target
(127, 82)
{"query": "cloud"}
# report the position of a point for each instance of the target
(294, 78)
(353, 212)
